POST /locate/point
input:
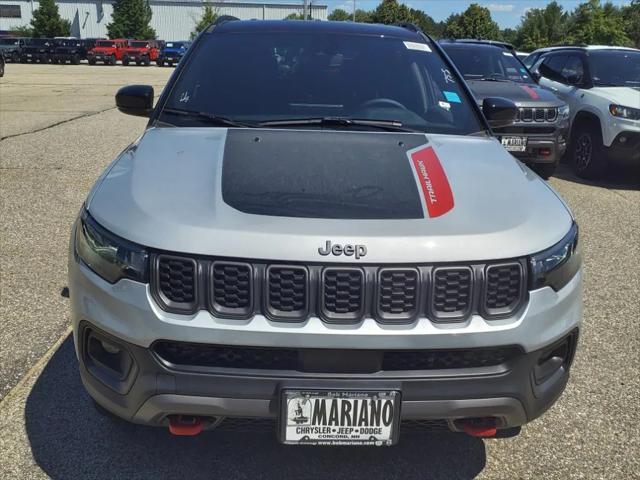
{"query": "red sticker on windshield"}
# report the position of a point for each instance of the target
(436, 192)
(532, 93)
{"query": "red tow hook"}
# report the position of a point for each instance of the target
(481, 427)
(185, 426)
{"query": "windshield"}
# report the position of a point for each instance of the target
(67, 43)
(8, 41)
(615, 68)
(256, 77)
(139, 44)
(480, 62)
(105, 43)
(175, 44)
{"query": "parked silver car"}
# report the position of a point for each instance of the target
(318, 227)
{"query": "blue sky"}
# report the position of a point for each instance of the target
(506, 12)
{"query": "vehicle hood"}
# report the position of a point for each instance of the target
(258, 194)
(626, 96)
(524, 95)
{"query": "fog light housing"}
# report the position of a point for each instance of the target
(108, 360)
(556, 358)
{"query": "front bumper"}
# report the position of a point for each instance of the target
(35, 57)
(625, 148)
(126, 315)
(541, 147)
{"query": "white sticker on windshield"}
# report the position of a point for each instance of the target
(445, 105)
(423, 47)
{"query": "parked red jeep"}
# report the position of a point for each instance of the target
(143, 52)
(107, 51)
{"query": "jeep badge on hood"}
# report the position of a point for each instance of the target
(348, 250)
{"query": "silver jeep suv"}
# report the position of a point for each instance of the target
(319, 228)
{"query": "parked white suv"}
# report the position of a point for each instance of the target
(601, 85)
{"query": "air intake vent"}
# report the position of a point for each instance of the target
(231, 291)
(287, 296)
(397, 293)
(539, 114)
(342, 294)
(451, 293)
(551, 114)
(176, 284)
(504, 288)
(526, 114)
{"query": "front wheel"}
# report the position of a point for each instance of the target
(2, 69)
(15, 58)
(587, 152)
(113, 60)
(75, 59)
(146, 61)
(160, 63)
(125, 61)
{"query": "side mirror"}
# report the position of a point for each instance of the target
(536, 76)
(499, 112)
(135, 100)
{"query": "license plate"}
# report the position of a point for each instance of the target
(339, 417)
(514, 144)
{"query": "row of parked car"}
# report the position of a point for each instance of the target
(580, 100)
(93, 50)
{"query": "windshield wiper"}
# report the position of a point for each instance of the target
(389, 125)
(208, 118)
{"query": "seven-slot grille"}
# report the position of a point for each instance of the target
(529, 114)
(503, 288)
(231, 288)
(338, 294)
(286, 291)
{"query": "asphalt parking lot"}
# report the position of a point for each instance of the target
(58, 131)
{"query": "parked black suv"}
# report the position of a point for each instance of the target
(71, 50)
(37, 50)
(12, 48)
(491, 69)
(1, 64)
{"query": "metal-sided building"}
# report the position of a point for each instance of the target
(172, 19)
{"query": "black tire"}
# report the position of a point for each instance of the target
(586, 151)
(1, 69)
(92, 61)
(23, 59)
(125, 61)
(75, 60)
(146, 61)
(160, 63)
(544, 170)
(170, 64)
(112, 60)
(15, 58)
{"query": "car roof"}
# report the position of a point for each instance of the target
(584, 48)
(493, 43)
(316, 27)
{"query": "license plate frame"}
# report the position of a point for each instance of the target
(514, 143)
(324, 431)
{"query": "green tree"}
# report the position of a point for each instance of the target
(209, 15)
(295, 16)
(46, 21)
(23, 31)
(474, 22)
(390, 11)
(130, 19)
(509, 35)
(542, 27)
(363, 16)
(591, 23)
(339, 15)
(631, 14)
(426, 23)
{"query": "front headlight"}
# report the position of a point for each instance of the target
(108, 255)
(557, 265)
(624, 112)
(563, 112)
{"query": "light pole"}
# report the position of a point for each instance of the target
(354, 10)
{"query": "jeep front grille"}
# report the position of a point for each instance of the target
(529, 114)
(335, 293)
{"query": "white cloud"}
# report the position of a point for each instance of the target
(500, 7)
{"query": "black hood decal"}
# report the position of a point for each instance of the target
(528, 95)
(321, 174)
